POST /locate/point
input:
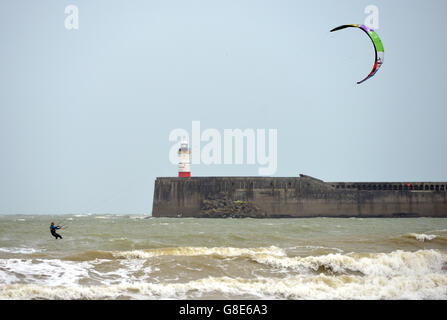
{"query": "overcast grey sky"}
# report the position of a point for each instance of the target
(85, 114)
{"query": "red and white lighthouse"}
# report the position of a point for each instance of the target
(184, 160)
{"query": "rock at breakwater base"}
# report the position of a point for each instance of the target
(221, 206)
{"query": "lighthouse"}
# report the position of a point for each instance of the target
(184, 160)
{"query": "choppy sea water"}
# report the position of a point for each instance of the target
(140, 257)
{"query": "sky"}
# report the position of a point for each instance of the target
(86, 114)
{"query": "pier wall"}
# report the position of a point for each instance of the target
(304, 196)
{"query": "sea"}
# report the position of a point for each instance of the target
(138, 257)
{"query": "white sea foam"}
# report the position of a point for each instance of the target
(20, 250)
(317, 248)
(430, 286)
(396, 275)
(378, 264)
(138, 217)
(43, 271)
(198, 251)
(423, 237)
(131, 270)
(55, 272)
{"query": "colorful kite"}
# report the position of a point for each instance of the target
(378, 46)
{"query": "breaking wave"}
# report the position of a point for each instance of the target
(375, 264)
(396, 275)
(180, 251)
(422, 237)
(20, 250)
(199, 251)
(415, 238)
(430, 286)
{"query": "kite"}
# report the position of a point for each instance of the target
(378, 46)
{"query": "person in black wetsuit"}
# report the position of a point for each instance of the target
(53, 229)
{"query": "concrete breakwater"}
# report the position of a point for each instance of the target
(304, 196)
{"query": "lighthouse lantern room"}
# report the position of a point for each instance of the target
(184, 160)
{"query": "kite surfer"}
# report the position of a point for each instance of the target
(53, 229)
